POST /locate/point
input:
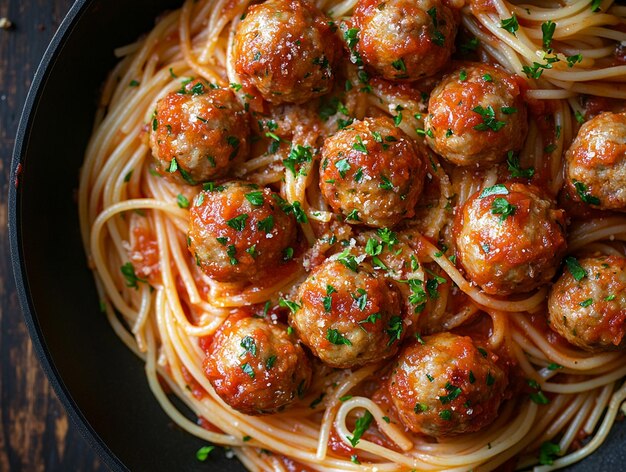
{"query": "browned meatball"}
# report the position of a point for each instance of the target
(476, 115)
(286, 49)
(239, 232)
(447, 386)
(199, 132)
(595, 164)
(372, 173)
(256, 367)
(348, 316)
(588, 303)
(510, 238)
(404, 39)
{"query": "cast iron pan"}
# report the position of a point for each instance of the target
(101, 383)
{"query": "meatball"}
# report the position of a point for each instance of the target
(239, 231)
(595, 164)
(286, 50)
(446, 385)
(476, 115)
(255, 367)
(372, 173)
(588, 307)
(199, 133)
(404, 39)
(510, 238)
(348, 316)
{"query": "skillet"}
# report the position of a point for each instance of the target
(99, 381)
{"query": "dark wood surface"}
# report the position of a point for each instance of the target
(35, 432)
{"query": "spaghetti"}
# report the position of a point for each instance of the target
(131, 213)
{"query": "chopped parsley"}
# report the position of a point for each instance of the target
(287, 254)
(490, 380)
(266, 224)
(583, 193)
(515, 168)
(579, 117)
(399, 65)
(293, 306)
(510, 24)
(247, 368)
(397, 119)
(489, 119)
(359, 146)
(373, 247)
(299, 213)
(238, 223)
(203, 453)
(362, 424)
(335, 337)
(182, 201)
(353, 216)
(351, 37)
(538, 396)
(297, 155)
(394, 329)
(497, 189)
(317, 401)
(249, 345)
(255, 198)
(348, 260)
(595, 5)
(586, 303)
(343, 166)
(500, 206)
(437, 38)
(575, 268)
(269, 363)
(231, 251)
(373, 318)
(453, 394)
(547, 452)
(575, 59)
(328, 300)
(547, 30)
(128, 271)
(470, 46)
(385, 183)
(418, 295)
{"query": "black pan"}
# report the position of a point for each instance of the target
(99, 381)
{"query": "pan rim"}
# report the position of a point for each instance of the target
(54, 49)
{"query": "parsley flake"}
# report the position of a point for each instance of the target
(238, 223)
(362, 424)
(500, 206)
(335, 337)
(203, 453)
(575, 268)
(510, 24)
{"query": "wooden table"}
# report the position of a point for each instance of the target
(35, 432)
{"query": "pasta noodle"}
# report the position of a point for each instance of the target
(164, 322)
